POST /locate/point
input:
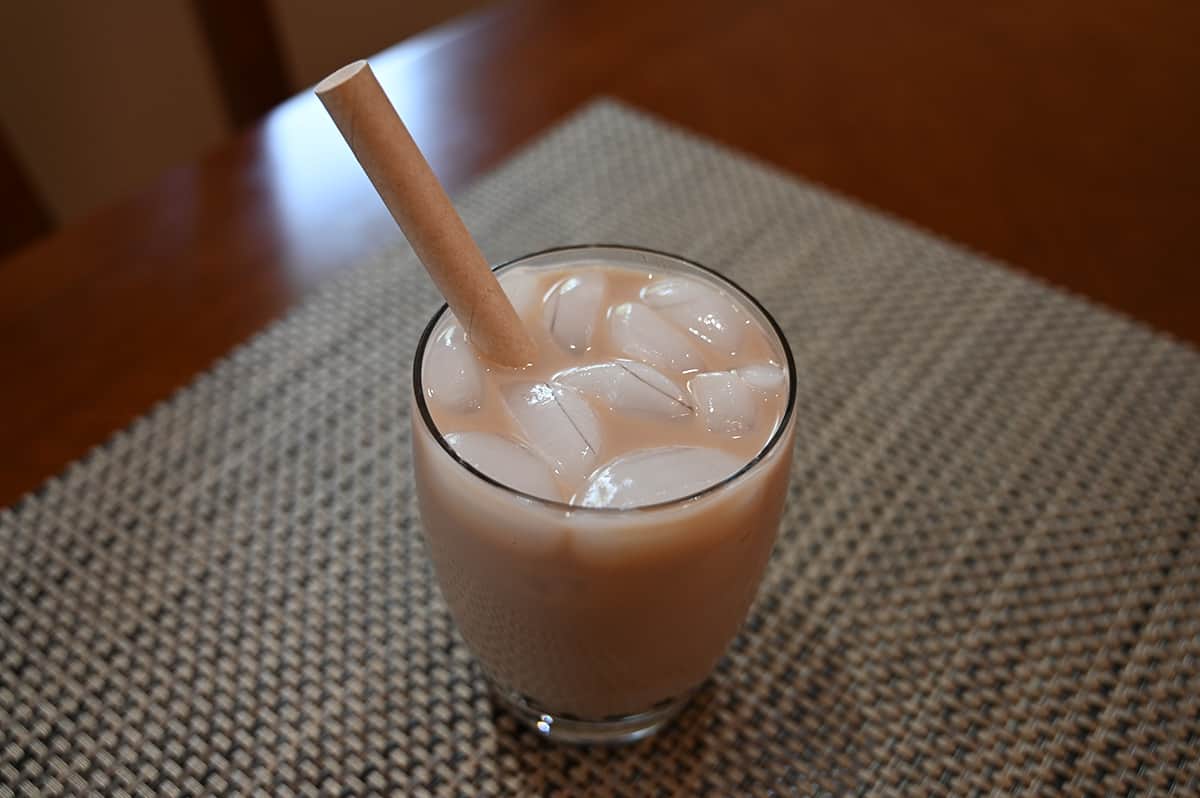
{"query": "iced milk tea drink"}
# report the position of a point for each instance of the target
(599, 521)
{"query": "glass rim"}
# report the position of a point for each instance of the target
(767, 448)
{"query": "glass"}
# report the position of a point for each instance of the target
(598, 624)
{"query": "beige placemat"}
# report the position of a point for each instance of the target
(988, 576)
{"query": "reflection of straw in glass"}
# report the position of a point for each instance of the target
(416, 200)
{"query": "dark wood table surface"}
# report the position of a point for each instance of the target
(1063, 137)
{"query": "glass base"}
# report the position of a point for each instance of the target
(616, 730)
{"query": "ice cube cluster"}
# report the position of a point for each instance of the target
(652, 364)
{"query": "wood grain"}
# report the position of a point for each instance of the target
(1059, 136)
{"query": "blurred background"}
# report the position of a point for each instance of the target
(101, 97)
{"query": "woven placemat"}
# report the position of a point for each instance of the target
(988, 576)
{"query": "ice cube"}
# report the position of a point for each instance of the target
(765, 377)
(724, 401)
(650, 476)
(572, 308)
(507, 462)
(628, 386)
(644, 335)
(453, 377)
(700, 309)
(521, 286)
(558, 424)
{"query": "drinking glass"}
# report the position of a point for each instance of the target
(595, 625)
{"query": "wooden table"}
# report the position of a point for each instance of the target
(1060, 136)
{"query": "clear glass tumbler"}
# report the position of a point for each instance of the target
(598, 624)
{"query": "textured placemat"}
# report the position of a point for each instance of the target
(988, 576)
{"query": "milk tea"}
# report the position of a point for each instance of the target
(626, 487)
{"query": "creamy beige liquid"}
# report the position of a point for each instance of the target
(597, 613)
